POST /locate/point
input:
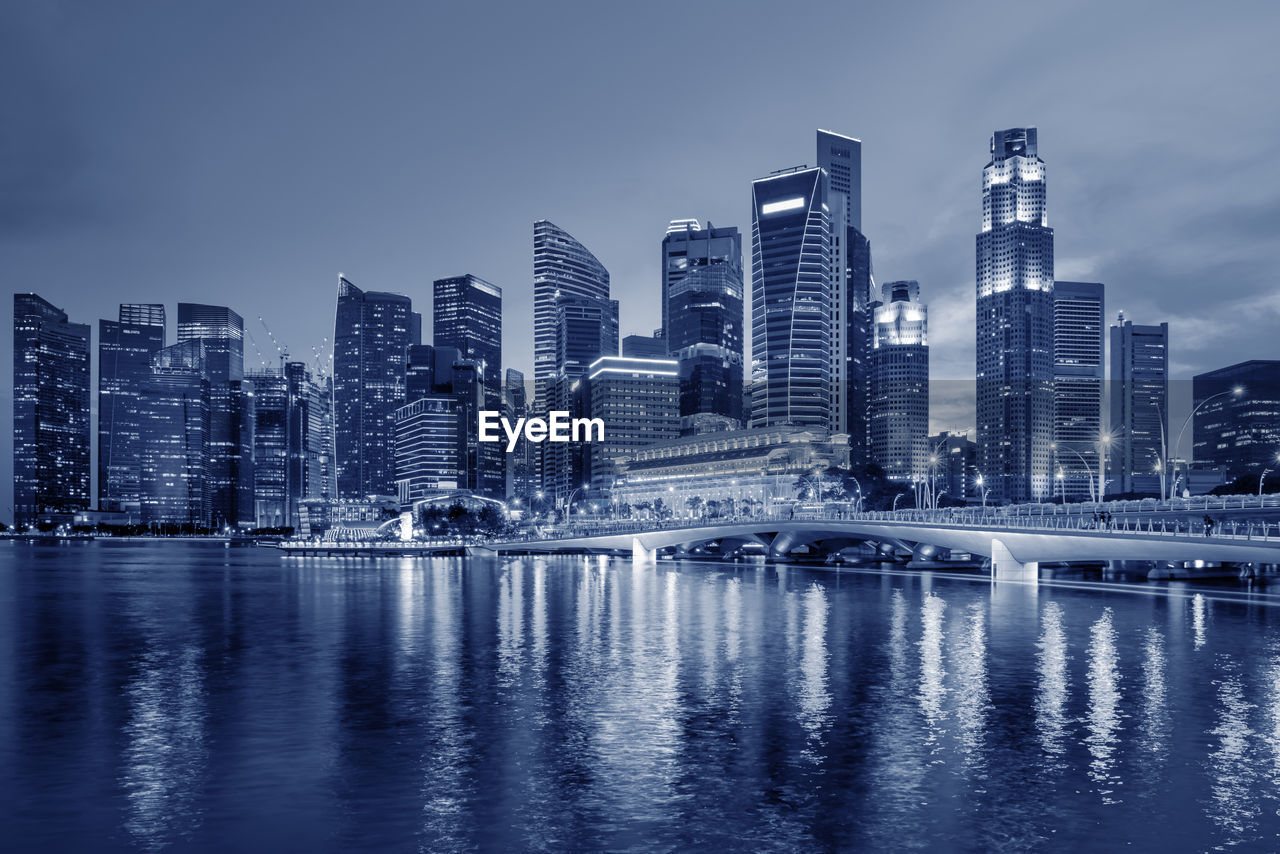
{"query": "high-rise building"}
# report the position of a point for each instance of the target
(1139, 408)
(956, 466)
(50, 411)
(702, 288)
(1237, 422)
(1015, 322)
(791, 298)
(125, 349)
(289, 441)
(586, 329)
(220, 331)
(639, 402)
(840, 158)
(371, 338)
(427, 448)
(175, 459)
(900, 383)
(562, 267)
(523, 482)
(1079, 345)
(645, 346)
(467, 315)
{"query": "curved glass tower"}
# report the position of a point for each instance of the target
(1015, 322)
(790, 300)
(561, 267)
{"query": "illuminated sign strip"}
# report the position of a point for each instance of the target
(784, 205)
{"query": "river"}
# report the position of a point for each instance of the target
(189, 697)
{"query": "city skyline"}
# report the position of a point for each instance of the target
(66, 248)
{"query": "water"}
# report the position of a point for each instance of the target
(193, 698)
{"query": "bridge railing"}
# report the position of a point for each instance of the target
(1151, 525)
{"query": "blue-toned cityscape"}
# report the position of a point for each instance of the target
(835, 385)
(875, 448)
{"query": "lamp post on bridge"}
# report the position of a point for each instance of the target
(1237, 391)
(984, 494)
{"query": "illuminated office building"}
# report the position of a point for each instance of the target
(791, 300)
(562, 267)
(125, 349)
(50, 411)
(1139, 409)
(638, 400)
(1238, 424)
(703, 316)
(1079, 348)
(900, 383)
(371, 338)
(1015, 322)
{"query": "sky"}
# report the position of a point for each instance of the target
(246, 153)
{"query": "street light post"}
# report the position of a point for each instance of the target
(1234, 392)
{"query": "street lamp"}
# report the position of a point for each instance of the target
(1238, 391)
(1261, 478)
(568, 506)
(984, 493)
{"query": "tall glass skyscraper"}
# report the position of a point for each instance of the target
(1079, 344)
(371, 338)
(467, 315)
(840, 158)
(1139, 406)
(702, 288)
(1015, 322)
(125, 348)
(175, 460)
(562, 267)
(900, 383)
(791, 300)
(50, 411)
(220, 332)
(1239, 431)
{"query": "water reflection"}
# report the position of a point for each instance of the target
(1197, 618)
(1054, 683)
(570, 703)
(1233, 806)
(1104, 707)
(932, 690)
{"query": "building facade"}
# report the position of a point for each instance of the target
(175, 415)
(562, 267)
(371, 338)
(467, 315)
(1015, 321)
(703, 310)
(427, 449)
(900, 383)
(50, 411)
(956, 465)
(791, 300)
(638, 401)
(1139, 408)
(1079, 351)
(1237, 424)
(125, 349)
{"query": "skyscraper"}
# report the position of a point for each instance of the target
(220, 332)
(467, 315)
(900, 383)
(840, 158)
(1078, 348)
(791, 298)
(702, 285)
(1139, 409)
(175, 458)
(1015, 321)
(427, 448)
(639, 402)
(562, 267)
(371, 337)
(1238, 422)
(586, 329)
(50, 411)
(125, 348)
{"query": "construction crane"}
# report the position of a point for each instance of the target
(322, 370)
(282, 350)
(261, 358)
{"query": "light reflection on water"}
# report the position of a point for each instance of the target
(174, 697)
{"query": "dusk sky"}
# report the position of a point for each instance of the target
(245, 154)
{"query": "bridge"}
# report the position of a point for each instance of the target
(1016, 544)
